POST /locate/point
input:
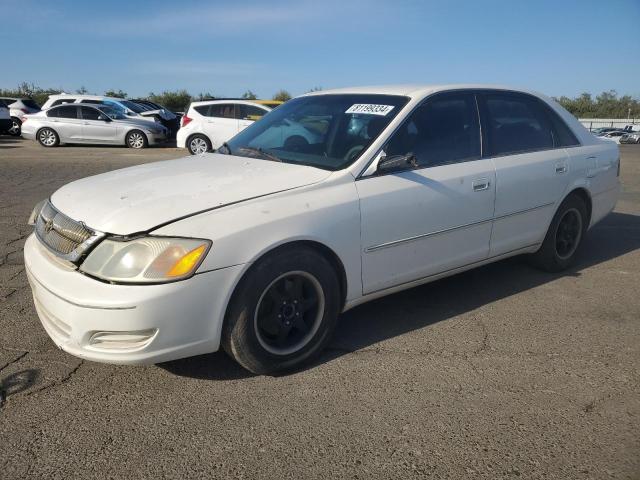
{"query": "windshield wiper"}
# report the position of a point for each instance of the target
(261, 153)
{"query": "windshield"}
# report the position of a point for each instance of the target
(112, 112)
(324, 131)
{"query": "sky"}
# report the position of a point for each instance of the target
(558, 47)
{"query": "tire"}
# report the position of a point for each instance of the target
(16, 127)
(198, 144)
(47, 137)
(272, 323)
(136, 139)
(564, 237)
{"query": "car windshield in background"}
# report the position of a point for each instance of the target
(112, 112)
(325, 131)
(134, 107)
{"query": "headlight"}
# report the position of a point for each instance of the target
(36, 211)
(146, 259)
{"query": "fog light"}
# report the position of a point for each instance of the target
(122, 340)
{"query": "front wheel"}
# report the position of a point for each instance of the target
(48, 137)
(136, 139)
(198, 144)
(283, 312)
(564, 237)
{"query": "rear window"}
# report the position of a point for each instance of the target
(30, 103)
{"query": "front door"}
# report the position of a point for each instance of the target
(426, 220)
(221, 123)
(95, 129)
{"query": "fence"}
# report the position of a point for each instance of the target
(593, 123)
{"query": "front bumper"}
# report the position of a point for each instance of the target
(127, 324)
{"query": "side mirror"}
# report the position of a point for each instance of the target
(397, 162)
(104, 118)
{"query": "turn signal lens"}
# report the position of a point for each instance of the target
(187, 263)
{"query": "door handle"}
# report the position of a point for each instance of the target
(85, 123)
(480, 185)
(561, 169)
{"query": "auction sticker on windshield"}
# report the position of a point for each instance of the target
(370, 108)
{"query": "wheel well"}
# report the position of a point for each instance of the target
(586, 198)
(126, 137)
(323, 250)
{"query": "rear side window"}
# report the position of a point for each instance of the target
(61, 101)
(66, 111)
(222, 110)
(516, 123)
(562, 134)
(89, 113)
(202, 110)
(444, 130)
(30, 103)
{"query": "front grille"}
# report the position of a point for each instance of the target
(65, 237)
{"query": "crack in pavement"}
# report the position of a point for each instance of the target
(17, 359)
(63, 380)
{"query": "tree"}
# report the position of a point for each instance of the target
(82, 90)
(176, 101)
(116, 93)
(249, 95)
(282, 96)
(314, 89)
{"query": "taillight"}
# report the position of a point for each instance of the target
(185, 121)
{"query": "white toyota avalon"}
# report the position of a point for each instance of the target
(259, 247)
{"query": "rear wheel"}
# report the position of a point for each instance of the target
(198, 144)
(48, 137)
(564, 237)
(16, 127)
(283, 312)
(136, 139)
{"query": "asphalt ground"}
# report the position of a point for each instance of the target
(500, 372)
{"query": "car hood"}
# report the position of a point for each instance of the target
(140, 198)
(161, 112)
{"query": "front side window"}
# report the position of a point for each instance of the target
(250, 112)
(327, 131)
(516, 123)
(66, 111)
(444, 130)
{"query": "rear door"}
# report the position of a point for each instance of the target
(531, 168)
(65, 120)
(220, 123)
(95, 129)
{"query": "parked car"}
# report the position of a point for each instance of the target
(208, 124)
(5, 117)
(165, 116)
(19, 107)
(259, 247)
(129, 109)
(603, 130)
(630, 137)
(632, 128)
(613, 135)
(93, 124)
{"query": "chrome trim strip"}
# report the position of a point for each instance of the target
(446, 230)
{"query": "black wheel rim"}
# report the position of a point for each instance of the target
(568, 233)
(289, 312)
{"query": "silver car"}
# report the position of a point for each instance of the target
(95, 124)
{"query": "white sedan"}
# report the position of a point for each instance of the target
(258, 248)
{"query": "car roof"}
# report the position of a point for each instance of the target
(229, 100)
(417, 90)
(83, 96)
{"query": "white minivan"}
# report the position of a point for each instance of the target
(259, 247)
(208, 124)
